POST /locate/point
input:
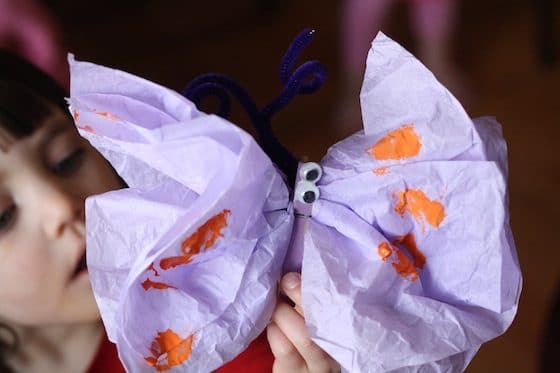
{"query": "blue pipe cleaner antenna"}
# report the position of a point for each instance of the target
(305, 79)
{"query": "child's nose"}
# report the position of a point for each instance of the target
(62, 209)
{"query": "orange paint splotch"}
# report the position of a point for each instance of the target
(152, 268)
(420, 207)
(409, 243)
(398, 144)
(174, 261)
(404, 267)
(149, 284)
(169, 350)
(204, 238)
(207, 234)
(380, 171)
(385, 251)
(402, 264)
(107, 115)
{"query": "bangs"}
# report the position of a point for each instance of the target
(21, 111)
(27, 97)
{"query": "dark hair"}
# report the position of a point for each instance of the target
(15, 69)
(21, 110)
(25, 95)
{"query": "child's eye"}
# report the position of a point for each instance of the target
(7, 217)
(69, 164)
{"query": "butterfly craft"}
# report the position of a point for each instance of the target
(401, 232)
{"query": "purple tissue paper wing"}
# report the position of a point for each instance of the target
(189, 255)
(409, 263)
(398, 91)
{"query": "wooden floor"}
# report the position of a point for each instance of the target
(172, 41)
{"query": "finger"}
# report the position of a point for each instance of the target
(292, 325)
(291, 286)
(287, 357)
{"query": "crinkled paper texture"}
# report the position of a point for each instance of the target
(421, 171)
(408, 260)
(184, 169)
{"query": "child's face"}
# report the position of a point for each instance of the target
(44, 181)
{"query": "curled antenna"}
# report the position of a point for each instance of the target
(305, 79)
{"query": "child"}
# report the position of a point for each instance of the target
(50, 321)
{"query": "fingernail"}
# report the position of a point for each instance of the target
(291, 280)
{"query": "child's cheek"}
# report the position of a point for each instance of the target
(97, 176)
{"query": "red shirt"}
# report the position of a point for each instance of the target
(257, 358)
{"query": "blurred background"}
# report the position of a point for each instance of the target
(501, 59)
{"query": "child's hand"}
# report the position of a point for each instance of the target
(292, 348)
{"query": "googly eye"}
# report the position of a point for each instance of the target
(311, 172)
(307, 192)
